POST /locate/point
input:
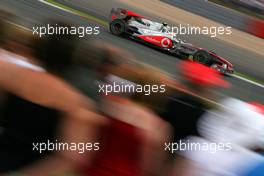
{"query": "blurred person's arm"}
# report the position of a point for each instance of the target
(79, 122)
(153, 155)
(38, 87)
(65, 162)
(185, 167)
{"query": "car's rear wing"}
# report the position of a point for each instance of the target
(121, 13)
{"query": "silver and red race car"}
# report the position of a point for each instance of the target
(130, 24)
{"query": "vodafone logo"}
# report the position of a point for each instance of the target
(165, 42)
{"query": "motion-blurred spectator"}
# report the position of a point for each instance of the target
(132, 142)
(40, 107)
(233, 131)
(185, 109)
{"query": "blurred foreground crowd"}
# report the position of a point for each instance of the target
(49, 92)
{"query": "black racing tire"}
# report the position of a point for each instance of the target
(202, 56)
(117, 27)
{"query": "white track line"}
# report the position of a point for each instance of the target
(58, 7)
(218, 104)
(19, 26)
(249, 81)
(236, 76)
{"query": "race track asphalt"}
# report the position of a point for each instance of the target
(213, 11)
(245, 61)
(34, 13)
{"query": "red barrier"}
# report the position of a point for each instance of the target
(256, 27)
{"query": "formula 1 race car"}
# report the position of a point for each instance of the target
(127, 23)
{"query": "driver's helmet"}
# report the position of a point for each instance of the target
(164, 24)
(164, 27)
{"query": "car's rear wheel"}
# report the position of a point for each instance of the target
(117, 27)
(202, 57)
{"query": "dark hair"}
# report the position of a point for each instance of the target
(2, 31)
(56, 51)
(4, 18)
(108, 57)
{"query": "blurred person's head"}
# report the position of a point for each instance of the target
(119, 68)
(104, 57)
(2, 28)
(18, 41)
(56, 51)
(155, 91)
(5, 18)
(200, 78)
(13, 37)
(140, 84)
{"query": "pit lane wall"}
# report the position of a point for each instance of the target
(221, 15)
